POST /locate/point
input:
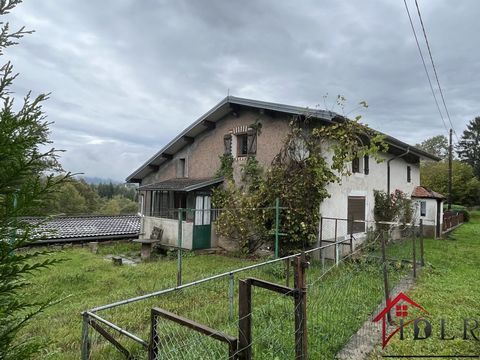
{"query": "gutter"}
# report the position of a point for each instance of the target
(388, 167)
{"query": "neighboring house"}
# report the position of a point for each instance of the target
(430, 210)
(182, 174)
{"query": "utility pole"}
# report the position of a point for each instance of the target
(450, 170)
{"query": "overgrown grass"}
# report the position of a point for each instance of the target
(448, 289)
(338, 302)
(86, 280)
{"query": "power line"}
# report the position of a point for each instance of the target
(434, 68)
(425, 66)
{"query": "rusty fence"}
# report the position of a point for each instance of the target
(261, 311)
(452, 219)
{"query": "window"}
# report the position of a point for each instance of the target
(242, 145)
(202, 210)
(356, 165)
(409, 174)
(366, 167)
(423, 208)
(356, 211)
(160, 204)
(181, 168)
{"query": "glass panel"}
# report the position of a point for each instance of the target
(206, 210)
(199, 212)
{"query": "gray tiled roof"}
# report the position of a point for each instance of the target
(78, 227)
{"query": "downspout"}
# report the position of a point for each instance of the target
(388, 167)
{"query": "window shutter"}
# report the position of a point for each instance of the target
(409, 174)
(366, 167)
(356, 165)
(227, 143)
(251, 141)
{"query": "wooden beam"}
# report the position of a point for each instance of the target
(154, 167)
(110, 338)
(203, 329)
(273, 287)
(245, 319)
(167, 156)
(188, 139)
(209, 124)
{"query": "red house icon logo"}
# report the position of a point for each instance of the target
(400, 306)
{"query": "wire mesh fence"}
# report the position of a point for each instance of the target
(348, 279)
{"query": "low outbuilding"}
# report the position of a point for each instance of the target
(430, 210)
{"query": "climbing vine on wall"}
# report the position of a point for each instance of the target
(313, 156)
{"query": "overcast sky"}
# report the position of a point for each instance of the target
(127, 75)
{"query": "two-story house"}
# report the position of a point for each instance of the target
(182, 174)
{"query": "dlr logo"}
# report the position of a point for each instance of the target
(422, 330)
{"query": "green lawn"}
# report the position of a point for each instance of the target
(448, 289)
(86, 280)
(338, 303)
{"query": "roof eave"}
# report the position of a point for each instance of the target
(138, 175)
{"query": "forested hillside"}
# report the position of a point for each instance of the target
(77, 197)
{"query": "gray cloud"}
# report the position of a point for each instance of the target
(126, 75)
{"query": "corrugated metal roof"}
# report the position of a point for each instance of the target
(223, 108)
(77, 227)
(182, 184)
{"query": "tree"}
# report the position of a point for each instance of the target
(27, 179)
(435, 145)
(465, 186)
(119, 205)
(468, 149)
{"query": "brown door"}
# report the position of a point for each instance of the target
(356, 211)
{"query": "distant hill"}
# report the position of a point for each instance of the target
(95, 180)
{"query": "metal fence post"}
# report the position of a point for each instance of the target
(351, 235)
(301, 343)
(385, 275)
(231, 286)
(414, 241)
(277, 224)
(321, 252)
(287, 265)
(85, 337)
(422, 259)
(336, 243)
(179, 247)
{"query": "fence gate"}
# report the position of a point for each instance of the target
(299, 294)
(157, 340)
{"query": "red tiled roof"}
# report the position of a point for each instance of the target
(423, 192)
